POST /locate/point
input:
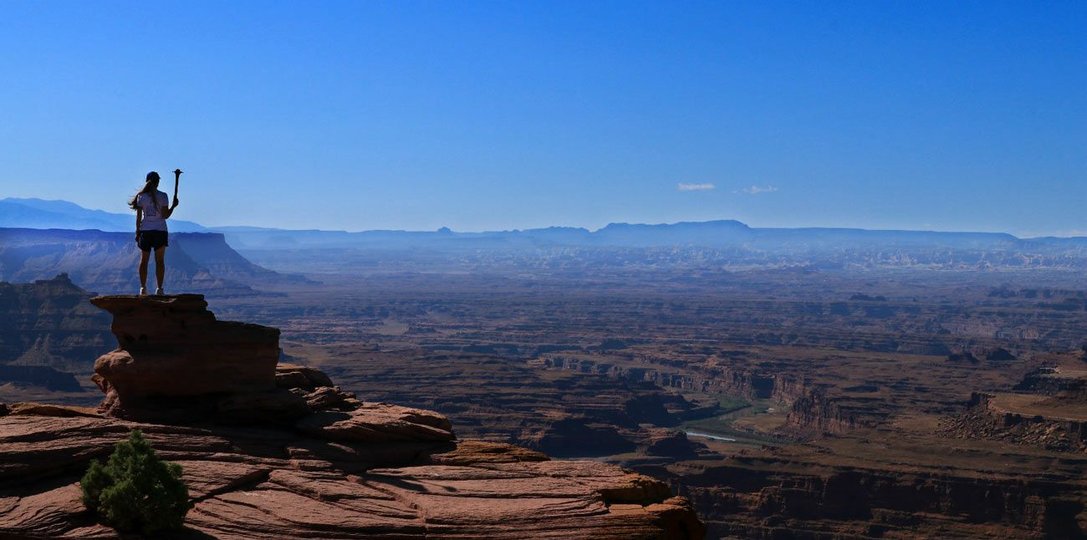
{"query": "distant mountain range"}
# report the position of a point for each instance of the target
(726, 235)
(42, 214)
(729, 236)
(105, 262)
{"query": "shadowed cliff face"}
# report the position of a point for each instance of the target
(48, 332)
(107, 261)
(279, 451)
(49, 323)
(173, 347)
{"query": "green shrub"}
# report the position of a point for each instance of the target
(135, 491)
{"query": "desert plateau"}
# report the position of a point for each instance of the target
(831, 397)
(635, 270)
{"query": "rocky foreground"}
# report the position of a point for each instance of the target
(272, 450)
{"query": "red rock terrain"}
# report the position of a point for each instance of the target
(842, 414)
(847, 398)
(48, 332)
(1048, 409)
(280, 452)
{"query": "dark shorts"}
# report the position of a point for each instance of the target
(153, 240)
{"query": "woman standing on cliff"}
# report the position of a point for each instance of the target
(151, 233)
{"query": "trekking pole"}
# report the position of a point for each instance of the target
(177, 178)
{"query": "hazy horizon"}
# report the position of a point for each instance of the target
(561, 226)
(484, 117)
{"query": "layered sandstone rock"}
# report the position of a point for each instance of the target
(1050, 422)
(273, 483)
(285, 454)
(173, 346)
(176, 362)
(47, 327)
(795, 494)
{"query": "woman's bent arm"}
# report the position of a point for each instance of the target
(166, 213)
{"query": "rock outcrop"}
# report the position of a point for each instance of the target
(282, 453)
(1047, 409)
(174, 346)
(175, 361)
(790, 495)
(48, 324)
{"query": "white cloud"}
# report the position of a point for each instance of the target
(755, 190)
(1062, 233)
(694, 187)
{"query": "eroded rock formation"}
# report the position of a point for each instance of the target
(174, 346)
(103, 261)
(1048, 409)
(48, 324)
(283, 453)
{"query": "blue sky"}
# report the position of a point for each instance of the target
(500, 115)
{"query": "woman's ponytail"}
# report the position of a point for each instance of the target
(149, 188)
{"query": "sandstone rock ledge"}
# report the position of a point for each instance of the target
(273, 483)
(271, 453)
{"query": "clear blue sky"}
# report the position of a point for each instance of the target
(500, 115)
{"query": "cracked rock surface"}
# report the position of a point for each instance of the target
(278, 451)
(279, 483)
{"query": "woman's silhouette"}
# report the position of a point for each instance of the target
(151, 233)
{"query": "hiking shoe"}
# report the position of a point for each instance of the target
(158, 292)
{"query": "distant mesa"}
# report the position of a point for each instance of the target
(1047, 409)
(1000, 354)
(861, 297)
(721, 241)
(106, 262)
(997, 355)
(49, 334)
(963, 356)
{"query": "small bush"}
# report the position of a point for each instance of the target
(135, 491)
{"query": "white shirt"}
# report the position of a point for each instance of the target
(152, 217)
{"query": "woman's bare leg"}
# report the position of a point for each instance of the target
(160, 264)
(144, 256)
